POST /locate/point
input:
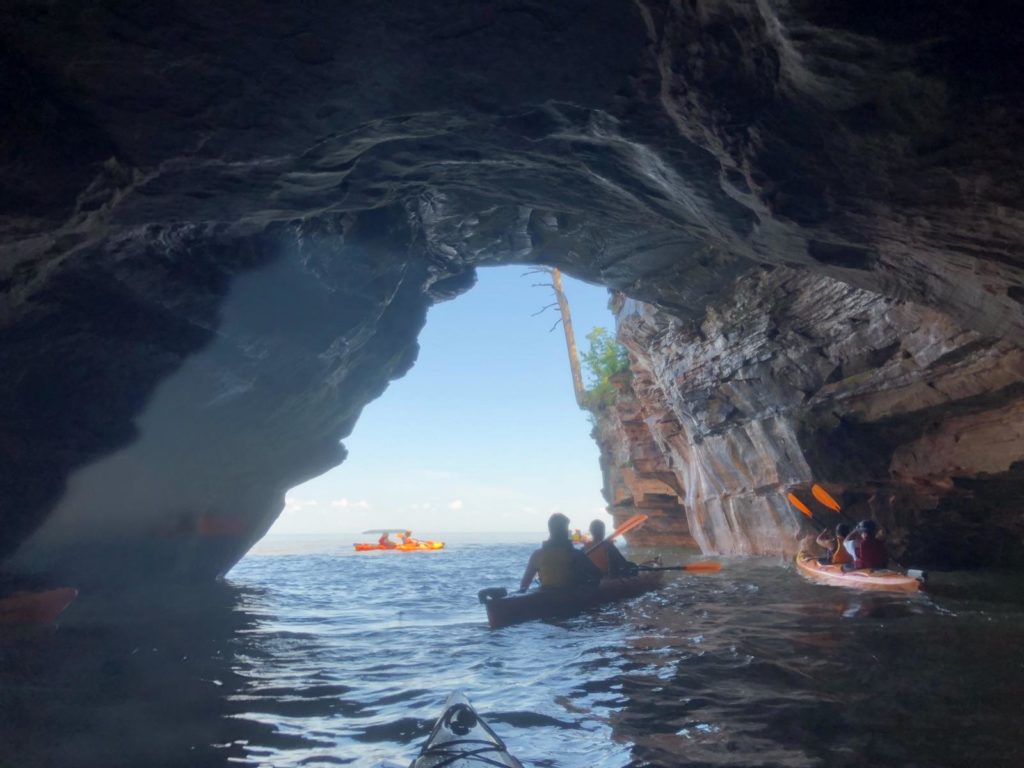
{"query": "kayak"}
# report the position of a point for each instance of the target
(35, 607)
(882, 578)
(547, 603)
(418, 546)
(460, 739)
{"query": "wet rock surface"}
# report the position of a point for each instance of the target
(221, 229)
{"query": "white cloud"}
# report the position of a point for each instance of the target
(457, 504)
(341, 503)
(362, 504)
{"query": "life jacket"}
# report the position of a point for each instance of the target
(841, 556)
(554, 564)
(599, 557)
(871, 553)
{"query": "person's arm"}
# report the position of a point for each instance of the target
(529, 574)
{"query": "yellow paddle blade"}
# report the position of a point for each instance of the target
(706, 566)
(824, 497)
(799, 505)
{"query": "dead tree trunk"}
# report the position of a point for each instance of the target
(570, 338)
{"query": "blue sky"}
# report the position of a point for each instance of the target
(483, 434)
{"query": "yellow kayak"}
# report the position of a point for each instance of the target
(861, 579)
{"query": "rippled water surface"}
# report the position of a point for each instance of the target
(311, 655)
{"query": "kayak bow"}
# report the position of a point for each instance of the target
(460, 739)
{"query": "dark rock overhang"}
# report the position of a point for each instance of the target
(352, 164)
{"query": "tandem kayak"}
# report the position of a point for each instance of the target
(35, 607)
(419, 546)
(461, 739)
(882, 579)
(548, 603)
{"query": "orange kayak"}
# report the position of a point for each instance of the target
(35, 607)
(862, 579)
(419, 546)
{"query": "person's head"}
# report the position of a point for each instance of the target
(597, 530)
(868, 528)
(408, 533)
(558, 526)
(842, 530)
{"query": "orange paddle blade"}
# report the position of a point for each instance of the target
(824, 497)
(707, 566)
(799, 505)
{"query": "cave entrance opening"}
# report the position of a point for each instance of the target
(482, 435)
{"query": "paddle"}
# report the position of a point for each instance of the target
(706, 566)
(804, 509)
(634, 522)
(825, 497)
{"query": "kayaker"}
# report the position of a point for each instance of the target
(839, 554)
(385, 542)
(406, 537)
(607, 557)
(558, 563)
(869, 551)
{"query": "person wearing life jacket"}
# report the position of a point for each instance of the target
(385, 542)
(607, 556)
(838, 553)
(869, 550)
(558, 563)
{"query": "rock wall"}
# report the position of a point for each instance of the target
(904, 415)
(220, 229)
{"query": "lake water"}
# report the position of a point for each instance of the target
(312, 655)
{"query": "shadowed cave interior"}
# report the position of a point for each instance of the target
(222, 232)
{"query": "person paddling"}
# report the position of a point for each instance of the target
(558, 563)
(608, 558)
(835, 543)
(385, 542)
(869, 551)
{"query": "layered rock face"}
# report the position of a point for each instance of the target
(905, 416)
(221, 229)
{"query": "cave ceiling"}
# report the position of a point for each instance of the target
(154, 153)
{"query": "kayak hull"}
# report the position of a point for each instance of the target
(35, 607)
(562, 602)
(421, 546)
(461, 739)
(890, 581)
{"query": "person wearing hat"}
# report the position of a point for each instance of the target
(558, 563)
(869, 550)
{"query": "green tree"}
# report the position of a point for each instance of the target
(605, 358)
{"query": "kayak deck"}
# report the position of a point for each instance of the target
(883, 579)
(560, 602)
(460, 738)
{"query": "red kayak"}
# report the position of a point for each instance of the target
(35, 607)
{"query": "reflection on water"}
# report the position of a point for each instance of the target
(312, 656)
